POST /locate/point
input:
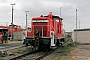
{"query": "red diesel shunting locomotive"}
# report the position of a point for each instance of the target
(46, 32)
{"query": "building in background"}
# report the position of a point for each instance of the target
(83, 35)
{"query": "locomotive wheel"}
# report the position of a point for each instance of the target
(27, 44)
(57, 43)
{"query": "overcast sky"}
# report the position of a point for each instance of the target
(43, 7)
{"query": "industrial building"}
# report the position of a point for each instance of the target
(81, 35)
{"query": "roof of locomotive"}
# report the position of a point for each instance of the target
(3, 26)
(46, 17)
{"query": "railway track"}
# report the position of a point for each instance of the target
(8, 47)
(34, 55)
(4, 48)
(23, 56)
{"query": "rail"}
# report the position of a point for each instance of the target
(23, 55)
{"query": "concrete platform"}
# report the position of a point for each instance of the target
(11, 42)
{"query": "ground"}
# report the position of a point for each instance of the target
(81, 52)
(70, 52)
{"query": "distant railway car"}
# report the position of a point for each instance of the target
(6, 32)
(46, 32)
(15, 28)
(3, 34)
